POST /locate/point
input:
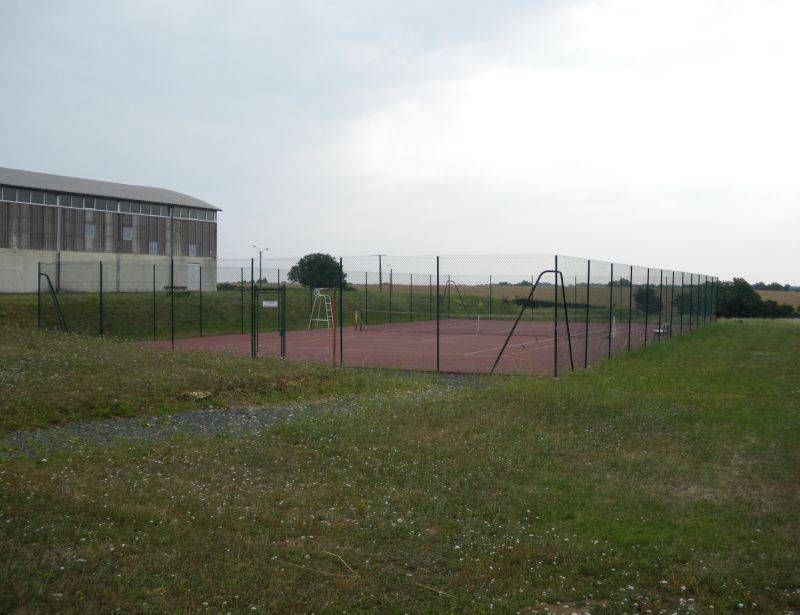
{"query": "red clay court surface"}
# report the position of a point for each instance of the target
(412, 345)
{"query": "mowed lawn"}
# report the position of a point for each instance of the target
(662, 480)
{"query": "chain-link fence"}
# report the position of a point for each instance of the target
(511, 314)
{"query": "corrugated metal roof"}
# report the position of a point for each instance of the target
(92, 187)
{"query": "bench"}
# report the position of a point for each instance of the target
(663, 330)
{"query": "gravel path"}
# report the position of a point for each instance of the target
(232, 421)
(193, 422)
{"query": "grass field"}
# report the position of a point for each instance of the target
(663, 480)
(50, 378)
(790, 297)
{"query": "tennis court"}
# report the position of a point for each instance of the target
(417, 313)
(466, 345)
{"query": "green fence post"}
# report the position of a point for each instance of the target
(366, 299)
(341, 313)
(680, 311)
(253, 331)
(630, 306)
(201, 301)
(437, 313)
(699, 301)
(610, 308)
(154, 302)
(102, 324)
(391, 288)
(241, 298)
(282, 318)
(586, 325)
(172, 300)
(39, 295)
(671, 303)
(716, 297)
(646, 305)
(660, 299)
(555, 319)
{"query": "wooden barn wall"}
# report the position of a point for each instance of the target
(201, 234)
(34, 227)
(28, 227)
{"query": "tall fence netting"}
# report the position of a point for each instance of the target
(511, 314)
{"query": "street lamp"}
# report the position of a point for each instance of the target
(380, 271)
(260, 252)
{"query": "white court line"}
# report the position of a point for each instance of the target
(548, 341)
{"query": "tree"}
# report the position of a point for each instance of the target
(317, 271)
(647, 301)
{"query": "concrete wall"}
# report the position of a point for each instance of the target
(80, 271)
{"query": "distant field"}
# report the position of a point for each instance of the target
(790, 297)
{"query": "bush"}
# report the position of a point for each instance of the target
(738, 299)
(648, 302)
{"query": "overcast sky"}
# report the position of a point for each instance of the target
(654, 133)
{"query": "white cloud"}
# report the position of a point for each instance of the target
(661, 133)
(720, 116)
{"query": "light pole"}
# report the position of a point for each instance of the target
(380, 271)
(260, 252)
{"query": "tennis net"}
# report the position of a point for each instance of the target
(453, 324)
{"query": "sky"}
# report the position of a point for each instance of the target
(664, 134)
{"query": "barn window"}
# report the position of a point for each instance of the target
(76, 201)
(127, 233)
(37, 197)
(9, 194)
(23, 196)
(50, 198)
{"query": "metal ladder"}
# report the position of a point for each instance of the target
(321, 302)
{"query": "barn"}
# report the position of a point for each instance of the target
(65, 222)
